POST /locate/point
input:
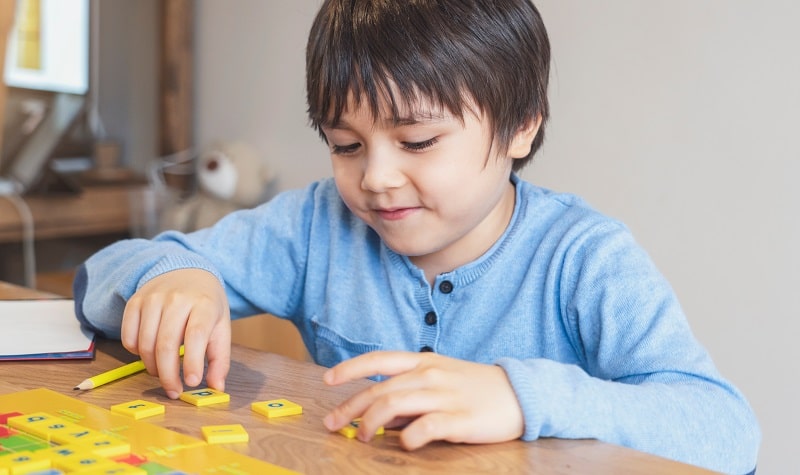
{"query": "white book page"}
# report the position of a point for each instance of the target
(41, 326)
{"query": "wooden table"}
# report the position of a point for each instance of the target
(301, 443)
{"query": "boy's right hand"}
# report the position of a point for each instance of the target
(189, 307)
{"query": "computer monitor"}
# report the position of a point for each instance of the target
(47, 70)
(48, 47)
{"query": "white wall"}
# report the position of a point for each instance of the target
(251, 82)
(679, 117)
(128, 77)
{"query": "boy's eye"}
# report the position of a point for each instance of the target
(419, 146)
(344, 149)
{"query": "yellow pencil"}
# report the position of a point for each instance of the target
(114, 374)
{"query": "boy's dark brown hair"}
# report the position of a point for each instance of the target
(491, 53)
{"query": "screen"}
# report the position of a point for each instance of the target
(48, 46)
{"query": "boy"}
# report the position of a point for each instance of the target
(488, 309)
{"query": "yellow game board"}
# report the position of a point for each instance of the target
(43, 431)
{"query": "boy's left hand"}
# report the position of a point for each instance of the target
(443, 398)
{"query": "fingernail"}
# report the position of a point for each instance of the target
(328, 422)
(192, 380)
(172, 394)
(328, 377)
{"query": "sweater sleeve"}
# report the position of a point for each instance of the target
(644, 381)
(258, 255)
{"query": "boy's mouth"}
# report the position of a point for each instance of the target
(394, 214)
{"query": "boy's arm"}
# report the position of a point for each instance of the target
(107, 280)
(644, 380)
(258, 255)
(179, 288)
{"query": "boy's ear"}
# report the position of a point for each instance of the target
(522, 142)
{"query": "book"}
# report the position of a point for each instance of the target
(42, 330)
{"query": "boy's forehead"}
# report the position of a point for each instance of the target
(396, 110)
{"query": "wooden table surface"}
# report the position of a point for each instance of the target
(301, 443)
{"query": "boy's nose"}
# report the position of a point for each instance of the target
(381, 172)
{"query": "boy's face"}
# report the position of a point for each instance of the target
(432, 185)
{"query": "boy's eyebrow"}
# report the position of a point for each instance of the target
(413, 119)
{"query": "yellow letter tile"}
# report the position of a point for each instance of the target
(139, 409)
(37, 423)
(76, 435)
(24, 462)
(224, 434)
(42, 425)
(350, 429)
(205, 397)
(106, 446)
(82, 461)
(277, 408)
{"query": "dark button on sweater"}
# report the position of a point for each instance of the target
(430, 318)
(446, 287)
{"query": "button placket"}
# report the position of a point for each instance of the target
(429, 331)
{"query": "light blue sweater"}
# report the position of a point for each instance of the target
(590, 334)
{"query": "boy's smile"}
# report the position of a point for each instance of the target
(394, 214)
(430, 184)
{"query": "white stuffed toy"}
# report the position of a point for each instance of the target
(230, 176)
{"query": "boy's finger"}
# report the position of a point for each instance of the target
(129, 330)
(433, 426)
(168, 360)
(219, 356)
(149, 323)
(401, 404)
(386, 363)
(345, 412)
(476, 426)
(196, 338)
(385, 395)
